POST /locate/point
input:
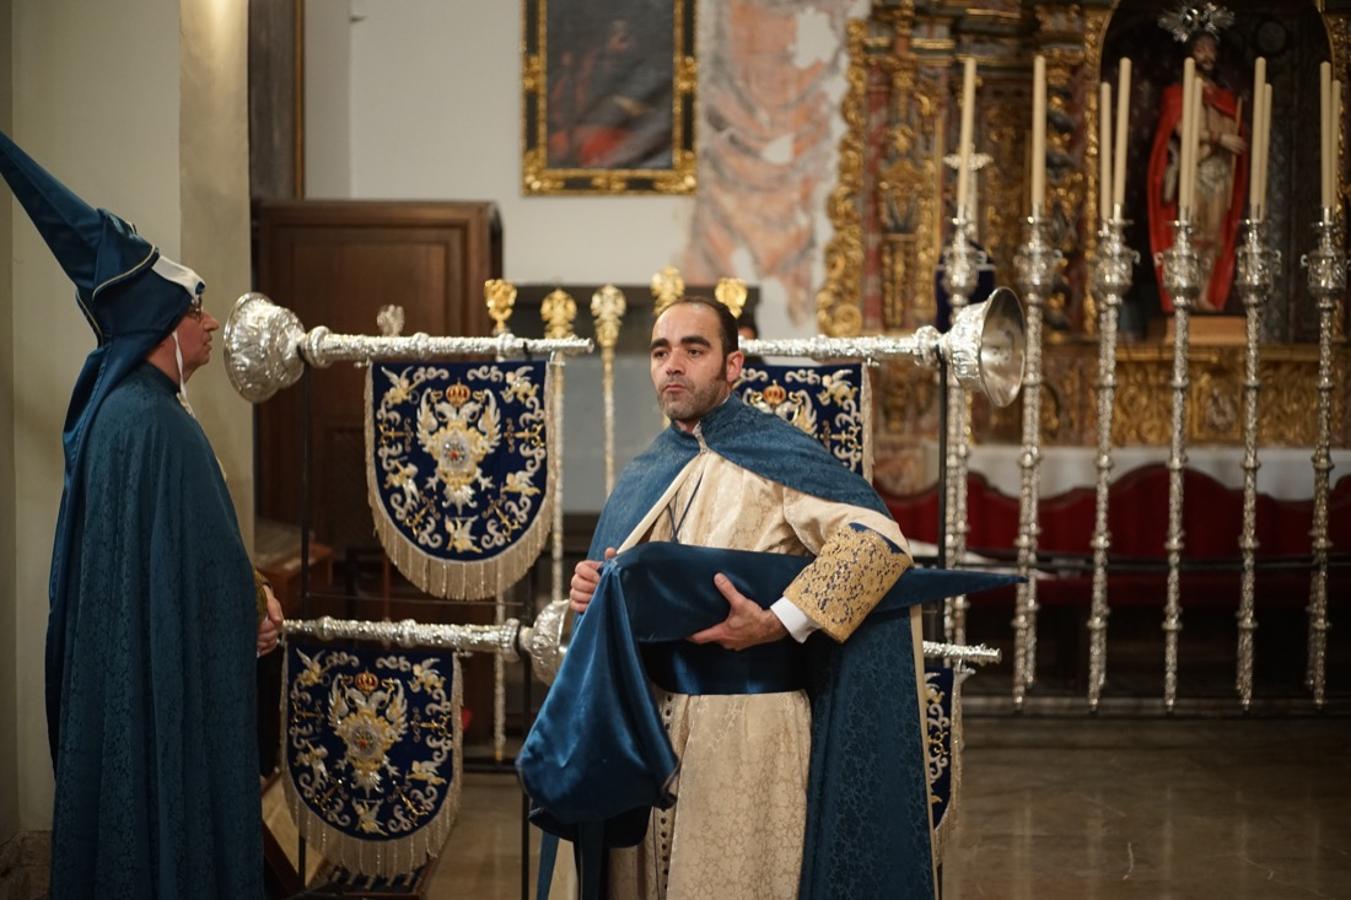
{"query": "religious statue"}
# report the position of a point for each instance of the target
(1221, 169)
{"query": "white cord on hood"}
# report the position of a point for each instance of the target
(182, 378)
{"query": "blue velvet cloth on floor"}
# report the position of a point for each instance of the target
(598, 759)
(156, 763)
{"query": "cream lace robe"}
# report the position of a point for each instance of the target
(736, 828)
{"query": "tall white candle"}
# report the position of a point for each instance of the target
(1325, 132)
(1038, 134)
(1105, 151)
(1255, 186)
(964, 140)
(1184, 142)
(1263, 176)
(1198, 115)
(1123, 112)
(973, 205)
(1259, 81)
(1334, 141)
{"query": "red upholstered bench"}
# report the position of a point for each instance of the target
(1138, 516)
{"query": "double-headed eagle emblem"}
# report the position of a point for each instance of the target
(457, 431)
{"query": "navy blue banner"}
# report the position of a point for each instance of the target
(825, 401)
(372, 752)
(458, 471)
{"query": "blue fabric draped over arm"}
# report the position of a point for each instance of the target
(598, 759)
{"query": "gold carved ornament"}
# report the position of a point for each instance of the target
(837, 302)
(1005, 129)
(558, 311)
(607, 308)
(500, 297)
(667, 288)
(853, 571)
(1095, 31)
(731, 293)
(909, 189)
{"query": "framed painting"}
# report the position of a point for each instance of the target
(609, 90)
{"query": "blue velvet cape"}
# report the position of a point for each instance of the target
(156, 761)
(597, 759)
(130, 309)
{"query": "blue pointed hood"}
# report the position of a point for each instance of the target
(132, 299)
(112, 267)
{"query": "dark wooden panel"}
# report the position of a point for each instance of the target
(335, 263)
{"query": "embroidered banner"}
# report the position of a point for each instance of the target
(944, 717)
(825, 401)
(457, 471)
(372, 749)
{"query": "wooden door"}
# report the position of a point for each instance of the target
(335, 263)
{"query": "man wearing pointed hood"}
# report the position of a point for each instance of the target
(156, 613)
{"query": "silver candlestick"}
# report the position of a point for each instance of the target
(508, 640)
(1182, 281)
(1327, 282)
(266, 347)
(1111, 281)
(1036, 264)
(1257, 265)
(961, 272)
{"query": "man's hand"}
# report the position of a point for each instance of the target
(269, 630)
(1233, 143)
(746, 625)
(584, 580)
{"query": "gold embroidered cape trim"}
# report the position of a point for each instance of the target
(853, 571)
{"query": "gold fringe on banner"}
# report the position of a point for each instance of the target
(469, 580)
(386, 858)
(943, 833)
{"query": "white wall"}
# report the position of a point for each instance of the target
(328, 98)
(215, 224)
(436, 113)
(96, 95)
(63, 51)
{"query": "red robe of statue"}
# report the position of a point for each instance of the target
(1216, 100)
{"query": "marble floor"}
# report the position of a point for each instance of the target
(1081, 808)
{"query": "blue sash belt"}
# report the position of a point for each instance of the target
(680, 667)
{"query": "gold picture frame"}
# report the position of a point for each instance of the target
(603, 110)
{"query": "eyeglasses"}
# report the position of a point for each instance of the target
(195, 308)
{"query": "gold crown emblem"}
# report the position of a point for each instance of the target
(774, 395)
(367, 682)
(458, 394)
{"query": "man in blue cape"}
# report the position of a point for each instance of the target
(156, 614)
(738, 714)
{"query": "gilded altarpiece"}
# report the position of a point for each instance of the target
(894, 196)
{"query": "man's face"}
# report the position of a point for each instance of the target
(194, 338)
(689, 370)
(1205, 51)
